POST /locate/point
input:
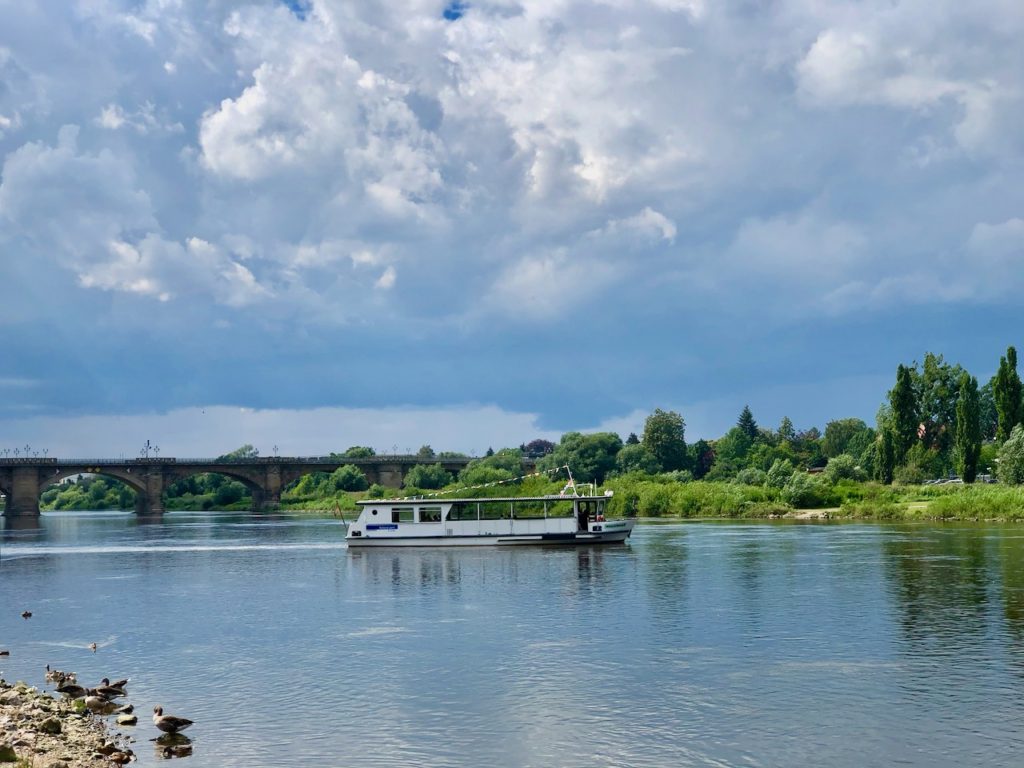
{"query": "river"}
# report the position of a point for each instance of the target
(696, 644)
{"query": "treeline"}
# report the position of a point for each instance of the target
(936, 422)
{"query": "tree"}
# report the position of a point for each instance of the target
(968, 429)
(243, 453)
(1011, 457)
(664, 437)
(989, 417)
(843, 467)
(841, 433)
(747, 424)
(886, 464)
(359, 452)
(537, 448)
(779, 473)
(589, 457)
(429, 476)
(349, 478)
(904, 418)
(632, 439)
(937, 388)
(702, 457)
(1006, 391)
(425, 452)
(786, 432)
(637, 458)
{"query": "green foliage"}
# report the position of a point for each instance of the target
(968, 429)
(427, 476)
(937, 387)
(904, 417)
(425, 452)
(657, 497)
(636, 458)
(664, 437)
(1006, 391)
(920, 464)
(359, 452)
(843, 467)
(590, 457)
(92, 492)
(786, 433)
(804, 491)
(348, 478)
(479, 474)
(632, 439)
(229, 493)
(988, 415)
(1011, 457)
(731, 453)
(846, 436)
(702, 458)
(885, 465)
(979, 502)
(779, 473)
(245, 453)
(747, 425)
(376, 491)
(751, 476)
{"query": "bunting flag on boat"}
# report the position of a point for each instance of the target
(571, 485)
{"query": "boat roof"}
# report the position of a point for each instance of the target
(435, 500)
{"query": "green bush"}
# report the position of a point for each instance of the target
(429, 476)
(349, 478)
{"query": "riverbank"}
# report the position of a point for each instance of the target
(39, 731)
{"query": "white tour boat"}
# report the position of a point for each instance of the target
(555, 519)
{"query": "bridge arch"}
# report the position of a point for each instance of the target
(135, 482)
(251, 480)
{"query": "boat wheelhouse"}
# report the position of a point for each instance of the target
(556, 519)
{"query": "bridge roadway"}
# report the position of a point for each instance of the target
(22, 480)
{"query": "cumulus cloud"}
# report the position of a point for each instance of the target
(745, 169)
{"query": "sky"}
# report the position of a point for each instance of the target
(314, 224)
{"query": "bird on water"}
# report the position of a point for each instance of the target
(169, 723)
(26, 614)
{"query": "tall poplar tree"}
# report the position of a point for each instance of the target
(1006, 390)
(968, 429)
(886, 457)
(904, 420)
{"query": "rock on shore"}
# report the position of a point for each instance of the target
(44, 732)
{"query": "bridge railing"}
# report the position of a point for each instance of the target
(95, 462)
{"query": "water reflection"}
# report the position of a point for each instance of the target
(693, 645)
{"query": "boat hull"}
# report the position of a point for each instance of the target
(545, 539)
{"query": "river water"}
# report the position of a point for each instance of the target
(696, 644)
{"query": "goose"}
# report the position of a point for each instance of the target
(169, 723)
(109, 691)
(99, 704)
(26, 614)
(92, 647)
(73, 690)
(4, 652)
(179, 750)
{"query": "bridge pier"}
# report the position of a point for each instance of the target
(264, 501)
(150, 503)
(23, 499)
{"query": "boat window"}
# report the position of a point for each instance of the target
(560, 508)
(430, 514)
(401, 515)
(528, 509)
(494, 510)
(465, 510)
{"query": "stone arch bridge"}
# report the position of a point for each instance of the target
(22, 480)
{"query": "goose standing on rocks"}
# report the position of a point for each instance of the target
(169, 723)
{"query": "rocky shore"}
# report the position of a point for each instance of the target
(39, 731)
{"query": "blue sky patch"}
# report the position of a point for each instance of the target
(300, 8)
(455, 10)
